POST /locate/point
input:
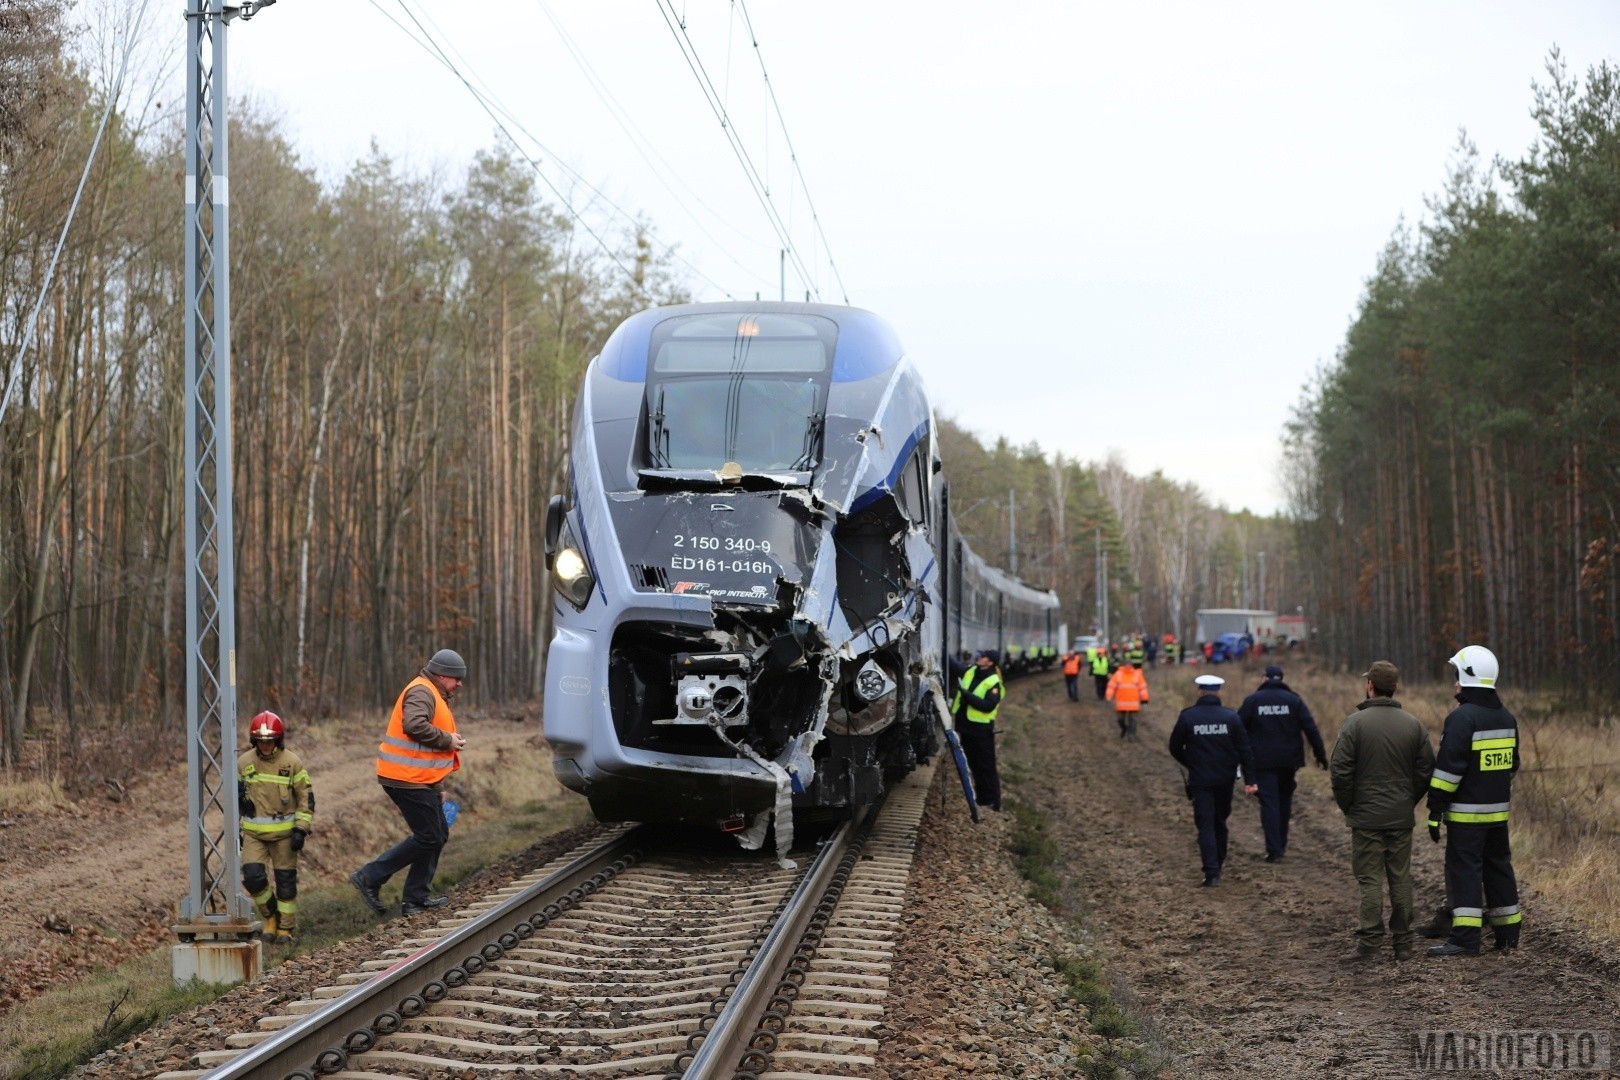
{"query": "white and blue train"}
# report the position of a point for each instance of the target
(757, 577)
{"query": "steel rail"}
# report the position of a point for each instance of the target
(404, 990)
(728, 1038)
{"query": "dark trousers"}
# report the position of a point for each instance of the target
(1276, 807)
(1211, 807)
(1102, 686)
(1377, 856)
(424, 813)
(1127, 723)
(1476, 856)
(979, 744)
(1073, 683)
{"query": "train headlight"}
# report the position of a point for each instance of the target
(570, 573)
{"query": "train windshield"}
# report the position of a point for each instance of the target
(743, 389)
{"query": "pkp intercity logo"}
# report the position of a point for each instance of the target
(1510, 1051)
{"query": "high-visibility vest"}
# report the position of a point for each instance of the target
(1128, 689)
(1099, 661)
(1071, 664)
(991, 682)
(400, 757)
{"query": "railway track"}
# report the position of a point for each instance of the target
(623, 960)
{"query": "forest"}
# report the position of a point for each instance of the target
(1454, 474)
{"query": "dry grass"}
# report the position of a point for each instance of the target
(31, 795)
(1566, 797)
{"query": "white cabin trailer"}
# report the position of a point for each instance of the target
(1213, 622)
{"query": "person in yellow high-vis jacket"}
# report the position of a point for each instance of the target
(977, 700)
(276, 805)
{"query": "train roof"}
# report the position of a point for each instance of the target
(867, 344)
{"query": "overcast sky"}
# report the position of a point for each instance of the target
(1123, 227)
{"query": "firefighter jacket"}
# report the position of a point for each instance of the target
(978, 698)
(1127, 689)
(1381, 765)
(1479, 753)
(1071, 664)
(1275, 717)
(1136, 655)
(1099, 661)
(279, 789)
(416, 749)
(1209, 740)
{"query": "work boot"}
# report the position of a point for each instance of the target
(432, 903)
(268, 934)
(1403, 953)
(368, 893)
(1358, 956)
(1210, 881)
(1449, 949)
(1437, 927)
(1505, 937)
(284, 938)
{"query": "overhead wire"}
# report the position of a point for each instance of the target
(113, 94)
(677, 27)
(503, 117)
(793, 155)
(661, 170)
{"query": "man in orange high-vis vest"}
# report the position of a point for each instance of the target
(420, 748)
(1128, 690)
(1071, 672)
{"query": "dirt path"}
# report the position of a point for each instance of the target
(95, 882)
(1247, 979)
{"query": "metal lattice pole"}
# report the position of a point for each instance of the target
(214, 911)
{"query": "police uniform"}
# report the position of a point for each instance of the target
(977, 700)
(278, 793)
(1210, 742)
(1470, 792)
(1275, 717)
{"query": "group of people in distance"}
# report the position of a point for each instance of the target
(1381, 767)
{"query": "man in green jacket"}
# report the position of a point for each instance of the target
(1380, 767)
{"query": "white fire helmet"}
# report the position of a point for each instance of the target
(1476, 666)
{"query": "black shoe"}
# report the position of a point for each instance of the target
(368, 893)
(1434, 928)
(1210, 881)
(1273, 858)
(432, 903)
(1448, 949)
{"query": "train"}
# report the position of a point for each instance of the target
(760, 590)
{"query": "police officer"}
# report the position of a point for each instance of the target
(1210, 742)
(977, 700)
(276, 804)
(1470, 791)
(1275, 717)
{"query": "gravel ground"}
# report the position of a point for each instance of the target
(1241, 981)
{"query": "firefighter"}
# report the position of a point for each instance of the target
(1135, 653)
(277, 806)
(1128, 690)
(1275, 717)
(1071, 673)
(1099, 670)
(1470, 791)
(1209, 741)
(977, 700)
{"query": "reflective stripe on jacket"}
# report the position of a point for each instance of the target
(1127, 689)
(399, 757)
(1099, 661)
(279, 789)
(978, 683)
(1473, 772)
